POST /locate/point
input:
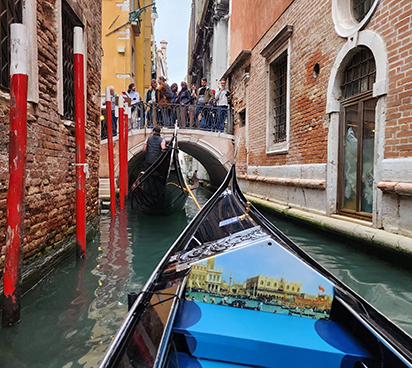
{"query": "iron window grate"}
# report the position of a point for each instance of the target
(69, 21)
(10, 12)
(279, 70)
(359, 74)
(361, 8)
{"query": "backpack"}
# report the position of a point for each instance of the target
(169, 93)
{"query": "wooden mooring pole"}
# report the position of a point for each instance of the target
(17, 169)
(81, 166)
(110, 151)
(121, 154)
(128, 112)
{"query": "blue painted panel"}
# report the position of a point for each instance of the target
(183, 360)
(263, 276)
(253, 338)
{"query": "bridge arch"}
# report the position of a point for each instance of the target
(213, 150)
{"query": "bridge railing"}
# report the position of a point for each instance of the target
(205, 118)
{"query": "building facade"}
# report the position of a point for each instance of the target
(128, 45)
(50, 199)
(206, 277)
(208, 41)
(268, 286)
(323, 107)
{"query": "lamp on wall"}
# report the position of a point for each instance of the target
(134, 15)
(154, 13)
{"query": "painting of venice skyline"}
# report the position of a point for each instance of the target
(264, 278)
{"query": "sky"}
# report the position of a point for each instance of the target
(271, 261)
(173, 27)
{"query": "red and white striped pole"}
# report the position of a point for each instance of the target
(81, 168)
(17, 168)
(121, 154)
(110, 151)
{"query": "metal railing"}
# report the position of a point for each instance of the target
(205, 118)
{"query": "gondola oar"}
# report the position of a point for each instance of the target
(192, 195)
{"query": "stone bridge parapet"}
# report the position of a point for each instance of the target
(214, 150)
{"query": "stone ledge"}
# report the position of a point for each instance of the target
(402, 245)
(393, 187)
(301, 183)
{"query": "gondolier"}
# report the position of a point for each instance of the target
(153, 147)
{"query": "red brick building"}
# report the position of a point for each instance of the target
(322, 95)
(50, 182)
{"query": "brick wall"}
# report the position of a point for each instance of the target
(393, 21)
(314, 40)
(50, 181)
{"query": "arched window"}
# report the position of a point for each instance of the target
(268, 284)
(360, 74)
(361, 8)
(356, 158)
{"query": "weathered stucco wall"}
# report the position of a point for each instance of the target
(249, 21)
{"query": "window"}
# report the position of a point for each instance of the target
(360, 74)
(361, 8)
(278, 70)
(69, 21)
(10, 12)
(276, 53)
(357, 138)
(351, 16)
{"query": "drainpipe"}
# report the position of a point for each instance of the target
(81, 166)
(17, 169)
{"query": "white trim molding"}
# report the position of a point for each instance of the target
(281, 147)
(30, 20)
(345, 23)
(375, 43)
(380, 89)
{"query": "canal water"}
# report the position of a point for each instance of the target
(70, 317)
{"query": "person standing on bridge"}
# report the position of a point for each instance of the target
(152, 99)
(135, 97)
(204, 98)
(222, 100)
(153, 146)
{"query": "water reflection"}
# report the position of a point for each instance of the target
(113, 270)
(69, 318)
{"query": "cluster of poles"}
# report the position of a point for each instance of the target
(123, 111)
(17, 162)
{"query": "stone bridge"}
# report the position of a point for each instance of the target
(213, 150)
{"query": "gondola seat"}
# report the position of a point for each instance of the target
(182, 360)
(249, 337)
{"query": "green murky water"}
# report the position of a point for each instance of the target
(70, 317)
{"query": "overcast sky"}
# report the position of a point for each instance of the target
(173, 26)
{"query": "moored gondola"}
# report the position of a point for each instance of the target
(161, 189)
(234, 291)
